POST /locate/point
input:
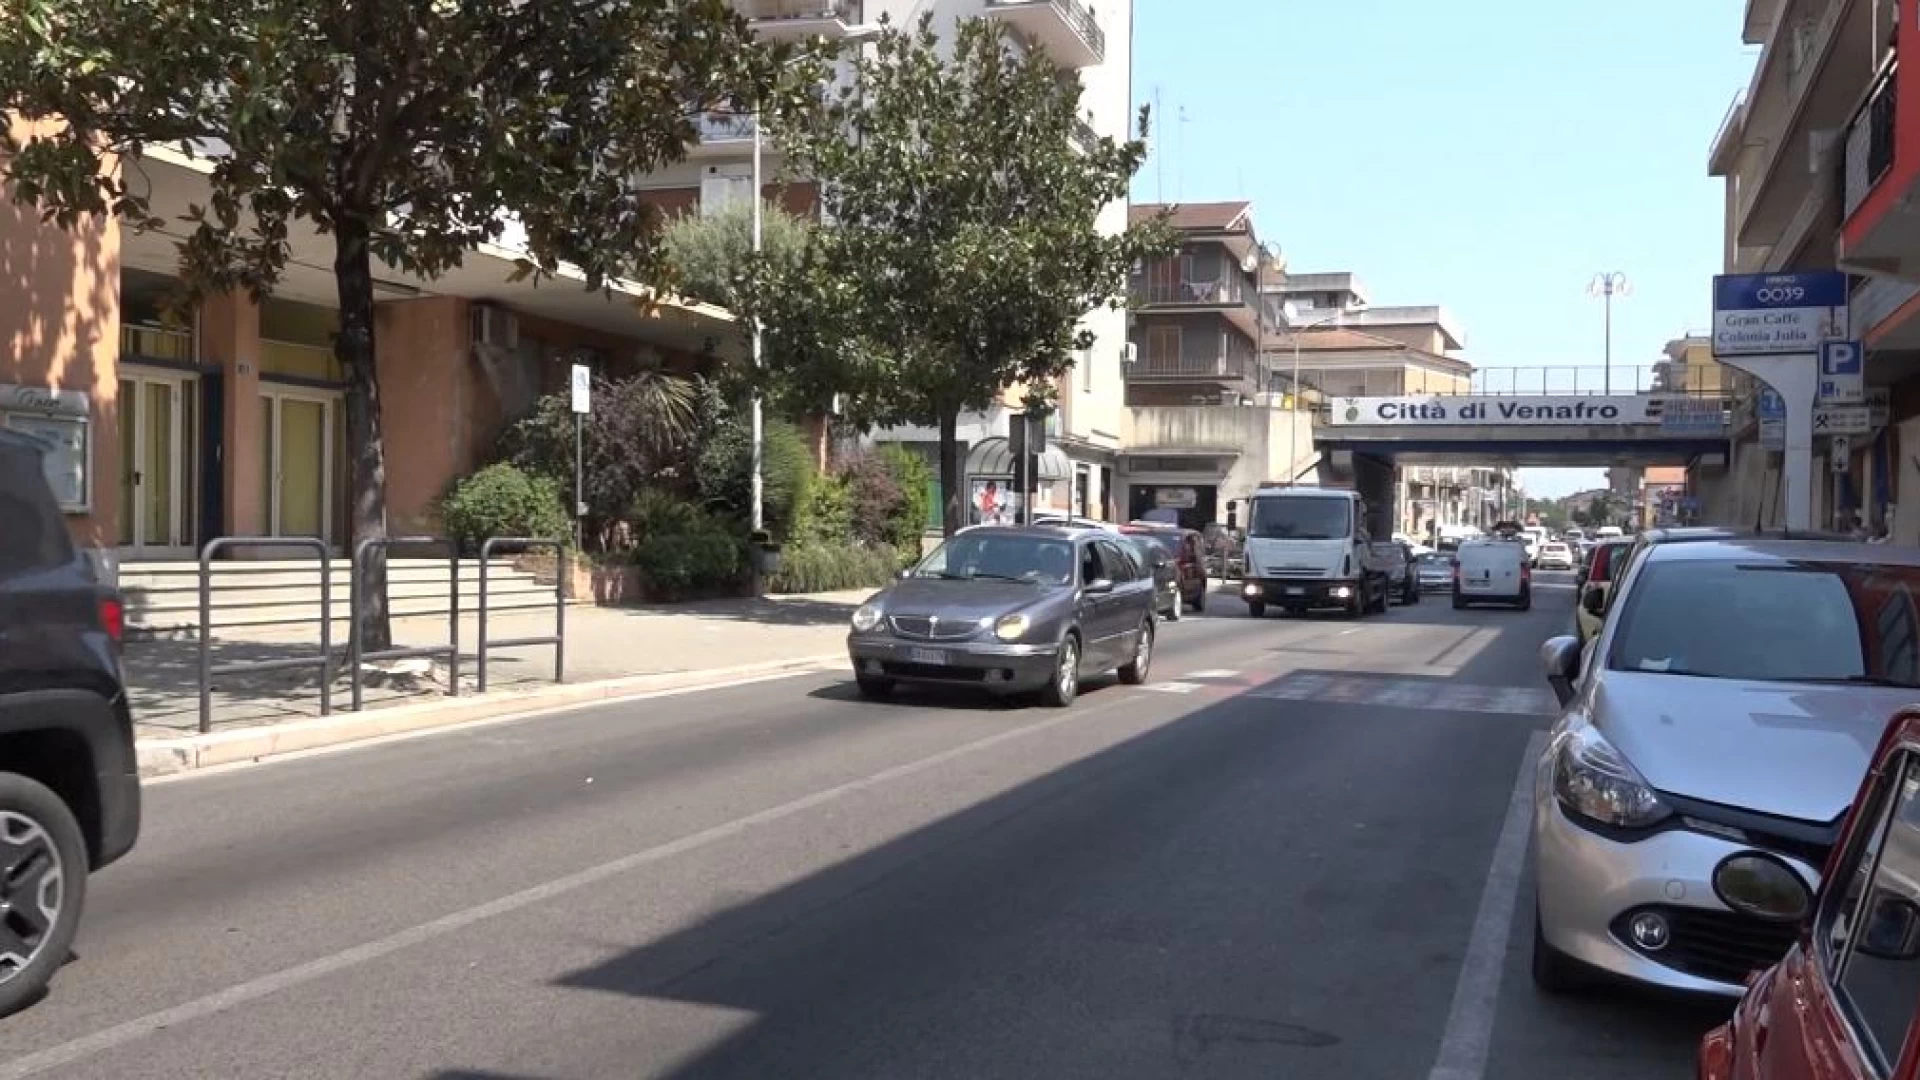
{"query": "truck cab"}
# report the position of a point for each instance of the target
(1308, 547)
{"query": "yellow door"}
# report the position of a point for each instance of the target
(303, 467)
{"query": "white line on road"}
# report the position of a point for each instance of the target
(244, 993)
(1213, 673)
(1476, 997)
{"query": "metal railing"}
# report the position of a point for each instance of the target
(155, 342)
(1226, 290)
(1571, 380)
(208, 669)
(1082, 18)
(1868, 153)
(721, 126)
(1152, 364)
(356, 644)
(559, 636)
(847, 11)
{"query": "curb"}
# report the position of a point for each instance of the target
(168, 757)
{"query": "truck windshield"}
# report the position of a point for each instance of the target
(1301, 518)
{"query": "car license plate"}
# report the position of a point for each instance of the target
(1296, 590)
(936, 657)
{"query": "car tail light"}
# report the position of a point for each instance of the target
(113, 618)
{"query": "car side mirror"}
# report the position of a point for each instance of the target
(1099, 587)
(1892, 930)
(1560, 659)
(1594, 602)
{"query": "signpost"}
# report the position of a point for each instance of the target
(1840, 453)
(1842, 373)
(1772, 413)
(1776, 327)
(582, 386)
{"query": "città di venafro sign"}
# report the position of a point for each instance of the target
(1435, 411)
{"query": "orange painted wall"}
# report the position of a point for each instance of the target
(60, 328)
(439, 413)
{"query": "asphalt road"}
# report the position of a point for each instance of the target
(1289, 856)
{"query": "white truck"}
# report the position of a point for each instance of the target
(1308, 547)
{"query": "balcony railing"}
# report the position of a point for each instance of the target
(1869, 150)
(1177, 365)
(1068, 29)
(847, 11)
(719, 126)
(1217, 291)
(1082, 18)
(155, 343)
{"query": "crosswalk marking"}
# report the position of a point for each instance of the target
(1172, 687)
(1213, 673)
(1403, 693)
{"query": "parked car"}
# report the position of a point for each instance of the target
(69, 788)
(1166, 576)
(1435, 570)
(1721, 720)
(1492, 572)
(1596, 577)
(1841, 1003)
(1013, 609)
(1403, 580)
(1187, 550)
(1553, 555)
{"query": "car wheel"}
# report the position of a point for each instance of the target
(1526, 600)
(873, 687)
(1256, 609)
(1065, 684)
(1555, 972)
(1413, 593)
(1173, 610)
(1200, 599)
(1459, 603)
(1382, 600)
(43, 885)
(1135, 673)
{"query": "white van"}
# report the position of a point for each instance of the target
(1308, 547)
(1492, 572)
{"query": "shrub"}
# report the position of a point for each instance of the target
(725, 470)
(692, 563)
(501, 500)
(824, 516)
(915, 477)
(656, 513)
(807, 568)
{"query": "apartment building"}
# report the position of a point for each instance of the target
(1434, 498)
(1093, 39)
(1819, 163)
(167, 434)
(1201, 432)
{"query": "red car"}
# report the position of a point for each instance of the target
(1187, 551)
(1845, 1002)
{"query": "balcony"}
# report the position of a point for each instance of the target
(1880, 230)
(1195, 429)
(1190, 365)
(1066, 29)
(790, 20)
(155, 343)
(722, 134)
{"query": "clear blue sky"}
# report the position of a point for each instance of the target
(1489, 156)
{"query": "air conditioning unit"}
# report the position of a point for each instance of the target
(495, 327)
(1130, 353)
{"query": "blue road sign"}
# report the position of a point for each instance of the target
(1757, 314)
(1762, 292)
(1771, 405)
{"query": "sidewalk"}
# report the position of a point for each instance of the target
(602, 643)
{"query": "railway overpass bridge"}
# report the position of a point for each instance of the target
(1361, 440)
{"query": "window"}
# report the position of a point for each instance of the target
(1782, 622)
(1163, 347)
(1301, 518)
(36, 536)
(1091, 569)
(1083, 358)
(1879, 976)
(1124, 563)
(996, 555)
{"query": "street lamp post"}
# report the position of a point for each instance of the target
(855, 35)
(1293, 390)
(1605, 285)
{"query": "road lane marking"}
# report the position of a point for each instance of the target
(1213, 673)
(1383, 691)
(1175, 687)
(1476, 996)
(121, 1034)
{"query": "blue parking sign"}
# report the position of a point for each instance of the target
(1842, 373)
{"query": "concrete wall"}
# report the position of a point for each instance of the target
(60, 329)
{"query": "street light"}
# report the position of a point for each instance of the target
(855, 35)
(1293, 391)
(1605, 285)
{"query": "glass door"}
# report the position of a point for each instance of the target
(159, 437)
(298, 484)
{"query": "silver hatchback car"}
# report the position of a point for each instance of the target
(1714, 733)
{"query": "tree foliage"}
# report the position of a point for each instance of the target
(407, 131)
(965, 197)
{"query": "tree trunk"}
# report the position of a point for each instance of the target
(953, 512)
(353, 277)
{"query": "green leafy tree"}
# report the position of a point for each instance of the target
(408, 132)
(964, 196)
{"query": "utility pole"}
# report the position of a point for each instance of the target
(1605, 285)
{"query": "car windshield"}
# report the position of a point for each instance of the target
(1435, 558)
(998, 556)
(1147, 542)
(1792, 622)
(1301, 518)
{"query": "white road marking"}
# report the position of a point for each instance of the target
(1172, 687)
(1213, 673)
(1476, 996)
(232, 997)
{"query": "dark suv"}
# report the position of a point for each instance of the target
(69, 785)
(1187, 549)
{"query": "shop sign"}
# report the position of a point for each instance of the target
(1509, 411)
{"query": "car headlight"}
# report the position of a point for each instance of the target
(867, 618)
(1012, 627)
(1594, 781)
